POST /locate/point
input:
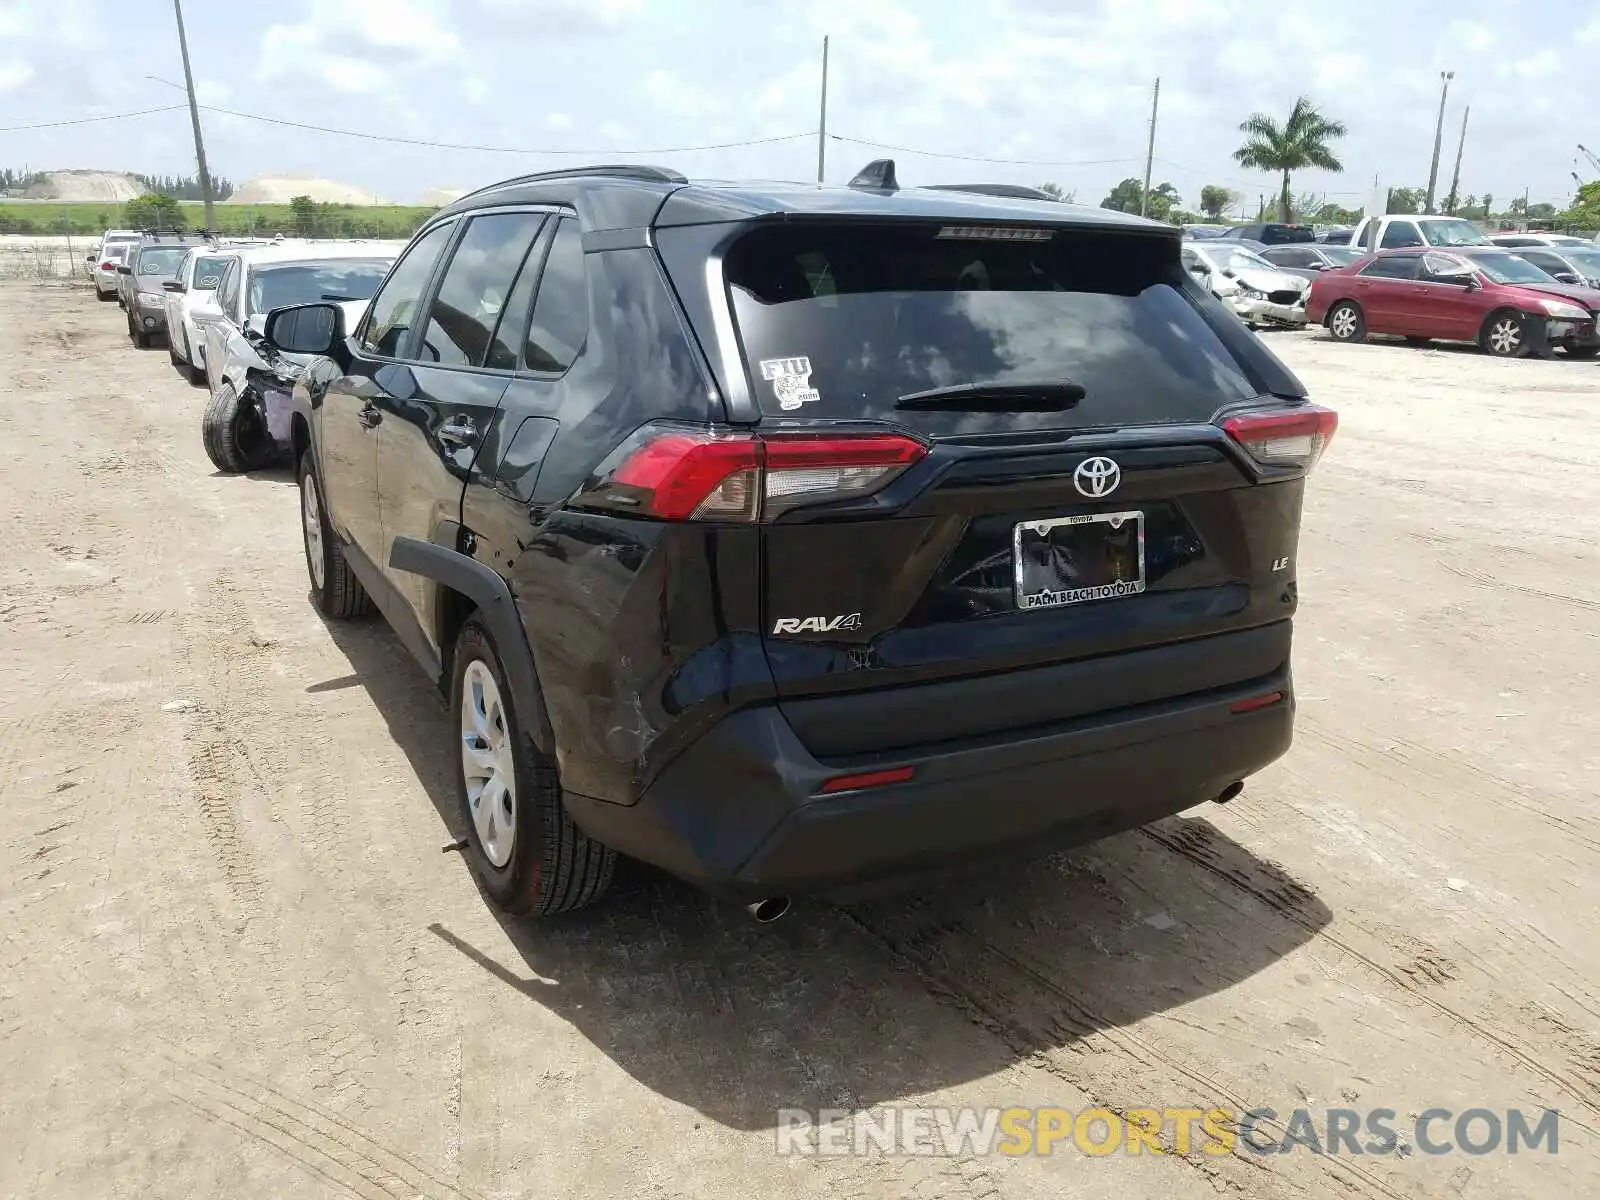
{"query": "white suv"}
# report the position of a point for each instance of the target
(113, 252)
(191, 304)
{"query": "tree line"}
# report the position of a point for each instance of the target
(1304, 140)
(179, 187)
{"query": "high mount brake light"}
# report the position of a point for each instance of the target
(683, 475)
(1284, 437)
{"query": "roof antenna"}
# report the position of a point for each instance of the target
(876, 176)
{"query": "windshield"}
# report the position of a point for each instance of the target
(1246, 260)
(208, 273)
(1508, 268)
(161, 260)
(1587, 261)
(1451, 231)
(841, 322)
(305, 283)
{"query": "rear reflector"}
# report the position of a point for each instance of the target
(1284, 437)
(679, 475)
(869, 779)
(1265, 700)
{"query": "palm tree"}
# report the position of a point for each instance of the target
(1301, 141)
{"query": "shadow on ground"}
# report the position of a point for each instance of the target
(870, 1004)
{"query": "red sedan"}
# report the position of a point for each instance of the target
(1465, 294)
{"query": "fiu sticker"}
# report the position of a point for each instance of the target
(791, 380)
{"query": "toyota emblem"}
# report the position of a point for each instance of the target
(1097, 478)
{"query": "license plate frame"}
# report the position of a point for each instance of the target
(1029, 599)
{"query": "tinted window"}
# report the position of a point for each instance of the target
(1514, 241)
(1397, 266)
(394, 308)
(1544, 260)
(1505, 267)
(505, 347)
(275, 285)
(1288, 256)
(1279, 234)
(1340, 256)
(476, 287)
(160, 260)
(208, 272)
(561, 313)
(1400, 233)
(871, 314)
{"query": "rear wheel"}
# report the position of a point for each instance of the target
(1502, 335)
(1346, 322)
(104, 296)
(524, 848)
(235, 436)
(172, 353)
(334, 588)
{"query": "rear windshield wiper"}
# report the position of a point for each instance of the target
(1053, 395)
(335, 298)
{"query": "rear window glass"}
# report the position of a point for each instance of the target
(161, 260)
(208, 273)
(875, 313)
(1279, 235)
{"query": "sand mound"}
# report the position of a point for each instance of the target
(440, 196)
(280, 189)
(85, 185)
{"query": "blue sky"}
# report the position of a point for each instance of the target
(1061, 80)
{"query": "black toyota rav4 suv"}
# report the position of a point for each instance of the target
(798, 538)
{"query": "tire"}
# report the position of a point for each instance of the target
(551, 865)
(172, 355)
(1502, 335)
(335, 590)
(104, 296)
(1346, 323)
(141, 339)
(197, 376)
(235, 439)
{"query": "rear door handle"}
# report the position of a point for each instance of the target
(459, 432)
(369, 416)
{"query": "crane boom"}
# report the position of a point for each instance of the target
(1594, 161)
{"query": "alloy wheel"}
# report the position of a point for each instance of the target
(311, 518)
(486, 763)
(1344, 323)
(1505, 335)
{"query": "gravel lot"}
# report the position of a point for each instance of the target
(235, 962)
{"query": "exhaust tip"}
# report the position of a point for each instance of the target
(1229, 792)
(769, 910)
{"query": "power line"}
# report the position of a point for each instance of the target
(977, 158)
(143, 112)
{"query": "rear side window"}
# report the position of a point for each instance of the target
(560, 322)
(1396, 266)
(873, 313)
(476, 287)
(394, 308)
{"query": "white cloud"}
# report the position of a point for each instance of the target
(558, 121)
(14, 74)
(564, 18)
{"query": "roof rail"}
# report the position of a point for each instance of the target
(608, 170)
(1014, 191)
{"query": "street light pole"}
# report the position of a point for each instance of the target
(194, 117)
(1438, 138)
(822, 120)
(1455, 178)
(1150, 151)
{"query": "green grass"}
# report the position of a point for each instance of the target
(91, 218)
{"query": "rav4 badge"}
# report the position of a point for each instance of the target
(817, 624)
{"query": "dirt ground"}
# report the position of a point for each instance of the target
(235, 962)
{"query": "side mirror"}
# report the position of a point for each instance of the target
(174, 285)
(124, 270)
(1567, 277)
(305, 328)
(89, 257)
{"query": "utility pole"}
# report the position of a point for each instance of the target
(194, 117)
(1438, 137)
(822, 122)
(1150, 151)
(1455, 176)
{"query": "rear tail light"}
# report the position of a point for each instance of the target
(697, 475)
(108, 266)
(1284, 437)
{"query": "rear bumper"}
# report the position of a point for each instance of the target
(741, 813)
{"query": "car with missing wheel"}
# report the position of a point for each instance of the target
(1482, 294)
(800, 540)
